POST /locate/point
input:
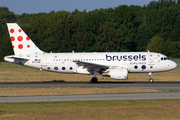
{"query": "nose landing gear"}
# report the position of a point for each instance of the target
(150, 77)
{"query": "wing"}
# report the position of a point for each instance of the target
(89, 64)
(100, 68)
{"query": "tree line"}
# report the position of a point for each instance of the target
(154, 27)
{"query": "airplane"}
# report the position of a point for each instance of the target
(115, 65)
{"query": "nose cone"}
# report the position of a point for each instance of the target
(172, 65)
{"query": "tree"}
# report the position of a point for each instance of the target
(109, 37)
(144, 33)
(173, 49)
(91, 24)
(156, 44)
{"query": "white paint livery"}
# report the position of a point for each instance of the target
(115, 65)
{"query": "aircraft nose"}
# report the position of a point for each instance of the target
(173, 65)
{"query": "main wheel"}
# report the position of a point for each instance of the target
(94, 80)
(151, 80)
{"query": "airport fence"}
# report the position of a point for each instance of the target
(177, 60)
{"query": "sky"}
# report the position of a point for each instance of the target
(37, 6)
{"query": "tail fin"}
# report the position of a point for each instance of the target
(21, 43)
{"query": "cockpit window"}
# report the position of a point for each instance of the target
(164, 58)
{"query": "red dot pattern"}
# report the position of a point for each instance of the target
(20, 46)
(12, 38)
(11, 30)
(27, 38)
(20, 38)
(19, 30)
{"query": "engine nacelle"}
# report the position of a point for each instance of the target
(118, 74)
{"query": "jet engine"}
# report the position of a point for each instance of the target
(118, 74)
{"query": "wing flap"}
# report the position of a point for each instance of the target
(91, 65)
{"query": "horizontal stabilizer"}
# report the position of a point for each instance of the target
(16, 57)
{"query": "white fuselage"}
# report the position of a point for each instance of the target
(64, 62)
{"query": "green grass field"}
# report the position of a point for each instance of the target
(11, 72)
(93, 110)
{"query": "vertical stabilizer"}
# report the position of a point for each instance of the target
(21, 43)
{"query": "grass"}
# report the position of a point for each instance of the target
(80, 110)
(11, 72)
(160, 109)
(71, 91)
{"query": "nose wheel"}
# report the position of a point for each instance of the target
(150, 78)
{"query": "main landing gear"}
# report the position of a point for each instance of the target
(150, 78)
(94, 79)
